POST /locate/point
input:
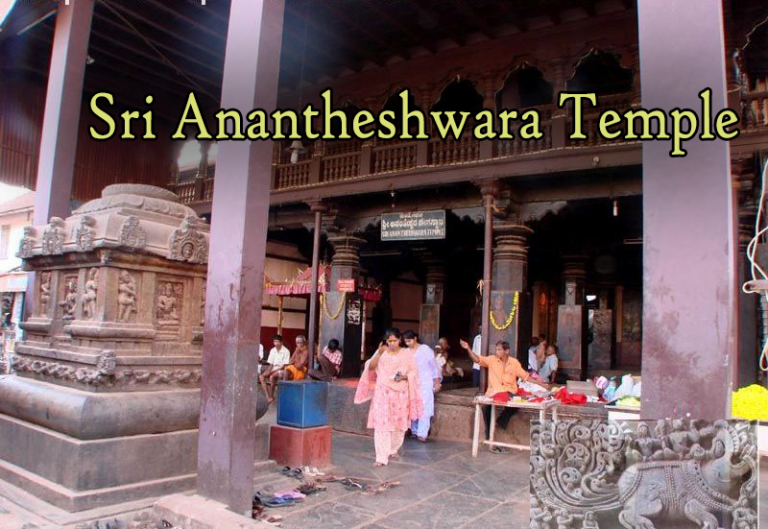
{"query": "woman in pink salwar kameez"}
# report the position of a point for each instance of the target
(390, 380)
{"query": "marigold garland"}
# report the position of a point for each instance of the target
(338, 310)
(510, 318)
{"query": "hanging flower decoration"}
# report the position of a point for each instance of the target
(510, 318)
(337, 312)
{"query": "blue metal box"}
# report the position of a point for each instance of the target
(302, 404)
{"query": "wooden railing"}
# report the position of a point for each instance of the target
(334, 161)
(756, 109)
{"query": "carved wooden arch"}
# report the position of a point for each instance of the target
(523, 61)
(623, 54)
(457, 74)
(394, 89)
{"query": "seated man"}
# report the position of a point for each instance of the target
(330, 362)
(503, 372)
(295, 369)
(279, 355)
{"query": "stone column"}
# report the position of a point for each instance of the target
(342, 313)
(572, 318)
(430, 316)
(601, 347)
(235, 280)
(510, 321)
(688, 311)
(61, 119)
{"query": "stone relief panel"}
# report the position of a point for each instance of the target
(127, 290)
(643, 474)
(68, 297)
(187, 243)
(84, 234)
(44, 296)
(169, 297)
(27, 243)
(132, 235)
(90, 294)
(53, 237)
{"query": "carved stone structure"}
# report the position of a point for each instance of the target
(670, 473)
(106, 401)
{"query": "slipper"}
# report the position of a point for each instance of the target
(351, 484)
(310, 488)
(281, 502)
(500, 450)
(327, 479)
(293, 494)
(293, 473)
(316, 472)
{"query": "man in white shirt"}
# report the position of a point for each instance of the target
(477, 349)
(279, 356)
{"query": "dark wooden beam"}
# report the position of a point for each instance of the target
(364, 32)
(416, 37)
(179, 55)
(134, 16)
(358, 50)
(514, 16)
(33, 16)
(476, 19)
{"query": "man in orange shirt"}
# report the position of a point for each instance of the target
(503, 372)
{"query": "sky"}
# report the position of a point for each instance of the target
(10, 192)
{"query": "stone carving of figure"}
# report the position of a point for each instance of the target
(540, 517)
(45, 292)
(126, 296)
(202, 306)
(166, 305)
(89, 297)
(70, 300)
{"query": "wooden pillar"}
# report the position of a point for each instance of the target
(236, 263)
(489, 191)
(318, 209)
(689, 255)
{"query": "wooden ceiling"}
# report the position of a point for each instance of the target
(169, 47)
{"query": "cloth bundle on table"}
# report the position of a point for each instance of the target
(393, 404)
(570, 398)
(428, 372)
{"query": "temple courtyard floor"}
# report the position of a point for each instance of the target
(440, 486)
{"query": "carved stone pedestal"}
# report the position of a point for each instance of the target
(106, 403)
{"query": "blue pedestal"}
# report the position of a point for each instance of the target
(302, 404)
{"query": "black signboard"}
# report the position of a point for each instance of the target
(413, 226)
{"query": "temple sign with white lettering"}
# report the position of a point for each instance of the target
(413, 226)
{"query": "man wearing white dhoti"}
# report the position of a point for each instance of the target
(430, 378)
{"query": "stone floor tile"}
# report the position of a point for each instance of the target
(500, 483)
(328, 515)
(413, 487)
(443, 511)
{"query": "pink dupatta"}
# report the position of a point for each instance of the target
(366, 386)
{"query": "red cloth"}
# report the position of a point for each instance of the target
(502, 397)
(523, 393)
(570, 398)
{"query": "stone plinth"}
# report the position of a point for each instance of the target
(299, 447)
(105, 404)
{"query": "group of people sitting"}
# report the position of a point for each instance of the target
(282, 365)
(542, 360)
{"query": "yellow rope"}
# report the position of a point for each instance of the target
(510, 318)
(340, 308)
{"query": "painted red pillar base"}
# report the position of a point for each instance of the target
(299, 447)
